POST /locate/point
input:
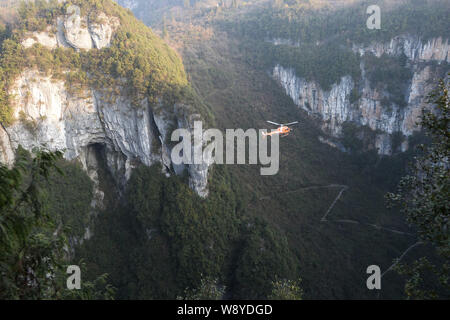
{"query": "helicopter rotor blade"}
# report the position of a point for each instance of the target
(290, 124)
(277, 124)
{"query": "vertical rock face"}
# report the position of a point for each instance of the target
(76, 31)
(413, 47)
(48, 115)
(6, 151)
(198, 172)
(334, 107)
(101, 28)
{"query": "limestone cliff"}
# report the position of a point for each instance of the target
(76, 31)
(48, 114)
(334, 107)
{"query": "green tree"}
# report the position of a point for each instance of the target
(31, 247)
(33, 258)
(424, 196)
(286, 290)
(265, 255)
(209, 289)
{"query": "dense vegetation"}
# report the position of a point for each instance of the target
(331, 256)
(254, 236)
(71, 209)
(312, 21)
(178, 239)
(33, 238)
(325, 64)
(424, 196)
(229, 70)
(315, 38)
(391, 75)
(166, 240)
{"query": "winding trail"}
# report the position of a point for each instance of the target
(398, 260)
(345, 188)
(333, 204)
(308, 188)
(324, 218)
(348, 221)
(401, 257)
(391, 230)
(317, 187)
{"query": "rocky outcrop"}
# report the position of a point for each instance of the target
(6, 151)
(198, 173)
(164, 121)
(45, 38)
(76, 31)
(101, 28)
(49, 115)
(415, 49)
(334, 107)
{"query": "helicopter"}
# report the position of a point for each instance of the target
(283, 129)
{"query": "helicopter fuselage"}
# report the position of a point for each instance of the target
(283, 130)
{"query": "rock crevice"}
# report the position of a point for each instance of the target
(48, 115)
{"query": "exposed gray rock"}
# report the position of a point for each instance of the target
(48, 115)
(413, 47)
(61, 33)
(383, 144)
(6, 150)
(101, 29)
(333, 144)
(75, 31)
(46, 38)
(164, 121)
(333, 107)
(198, 172)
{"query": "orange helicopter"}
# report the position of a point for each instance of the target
(283, 129)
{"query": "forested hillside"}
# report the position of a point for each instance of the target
(228, 52)
(153, 235)
(149, 68)
(141, 230)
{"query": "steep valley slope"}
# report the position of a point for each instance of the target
(332, 256)
(223, 61)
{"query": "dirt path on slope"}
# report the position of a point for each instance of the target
(325, 217)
